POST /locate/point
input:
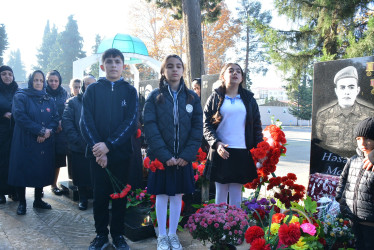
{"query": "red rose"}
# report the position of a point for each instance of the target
(259, 244)
(252, 233)
(289, 235)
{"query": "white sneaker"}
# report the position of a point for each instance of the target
(163, 242)
(174, 242)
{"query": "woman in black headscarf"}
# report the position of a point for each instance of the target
(32, 153)
(8, 88)
(59, 95)
(76, 144)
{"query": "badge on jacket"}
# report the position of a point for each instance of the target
(189, 108)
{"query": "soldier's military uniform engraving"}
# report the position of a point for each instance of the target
(335, 122)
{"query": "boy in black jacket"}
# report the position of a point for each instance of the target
(108, 120)
(355, 191)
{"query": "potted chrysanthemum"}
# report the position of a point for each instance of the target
(220, 224)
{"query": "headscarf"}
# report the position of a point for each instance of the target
(34, 92)
(13, 86)
(55, 92)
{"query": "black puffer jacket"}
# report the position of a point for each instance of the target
(164, 141)
(253, 129)
(70, 124)
(355, 191)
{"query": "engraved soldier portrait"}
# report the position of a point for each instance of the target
(335, 121)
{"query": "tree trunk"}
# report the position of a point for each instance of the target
(246, 59)
(194, 43)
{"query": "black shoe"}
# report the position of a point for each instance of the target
(41, 204)
(57, 191)
(82, 205)
(99, 243)
(119, 242)
(2, 199)
(21, 210)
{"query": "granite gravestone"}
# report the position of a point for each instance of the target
(207, 82)
(341, 98)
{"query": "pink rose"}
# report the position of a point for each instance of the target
(308, 228)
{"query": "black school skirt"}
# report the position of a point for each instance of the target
(238, 168)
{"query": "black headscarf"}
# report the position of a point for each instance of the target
(55, 92)
(12, 87)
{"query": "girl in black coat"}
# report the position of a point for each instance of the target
(232, 126)
(173, 131)
(32, 151)
(77, 145)
(8, 88)
(59, 94)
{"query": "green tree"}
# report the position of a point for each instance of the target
(254, 54)
(324, 32)
(70, 43)
(94, 69)
(16, 64)
(3, 42)
(301, 100)
(48, 49)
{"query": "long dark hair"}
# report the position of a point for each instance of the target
(162, 85)
(217, 117)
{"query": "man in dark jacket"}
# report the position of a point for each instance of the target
(355, 191)
(109, 117)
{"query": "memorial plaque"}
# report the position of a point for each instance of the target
(342, 96)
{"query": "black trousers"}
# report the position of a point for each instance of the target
(21, 191)
(364, 236)
(102, 188)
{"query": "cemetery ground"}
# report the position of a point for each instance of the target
(66, 227)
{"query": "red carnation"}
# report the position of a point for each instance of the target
(259, 244)
(201, 168)
(252, 233)
(277, 218)
(322, 241)
(147, 162)
(291, 176)
(138, 133)
(115, 196)
(289, 235)
(201, 155)
(194, 165)
(259, 212)
(156, 164)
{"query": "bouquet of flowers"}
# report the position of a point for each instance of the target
(199, 166)
(297, 230)
(258, 210)
(338, 231)
(219, 224)
(119, 189)
(140, 197)
(153, 165)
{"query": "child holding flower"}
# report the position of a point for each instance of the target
(232, 126)
(173, 131)
(355, 191)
